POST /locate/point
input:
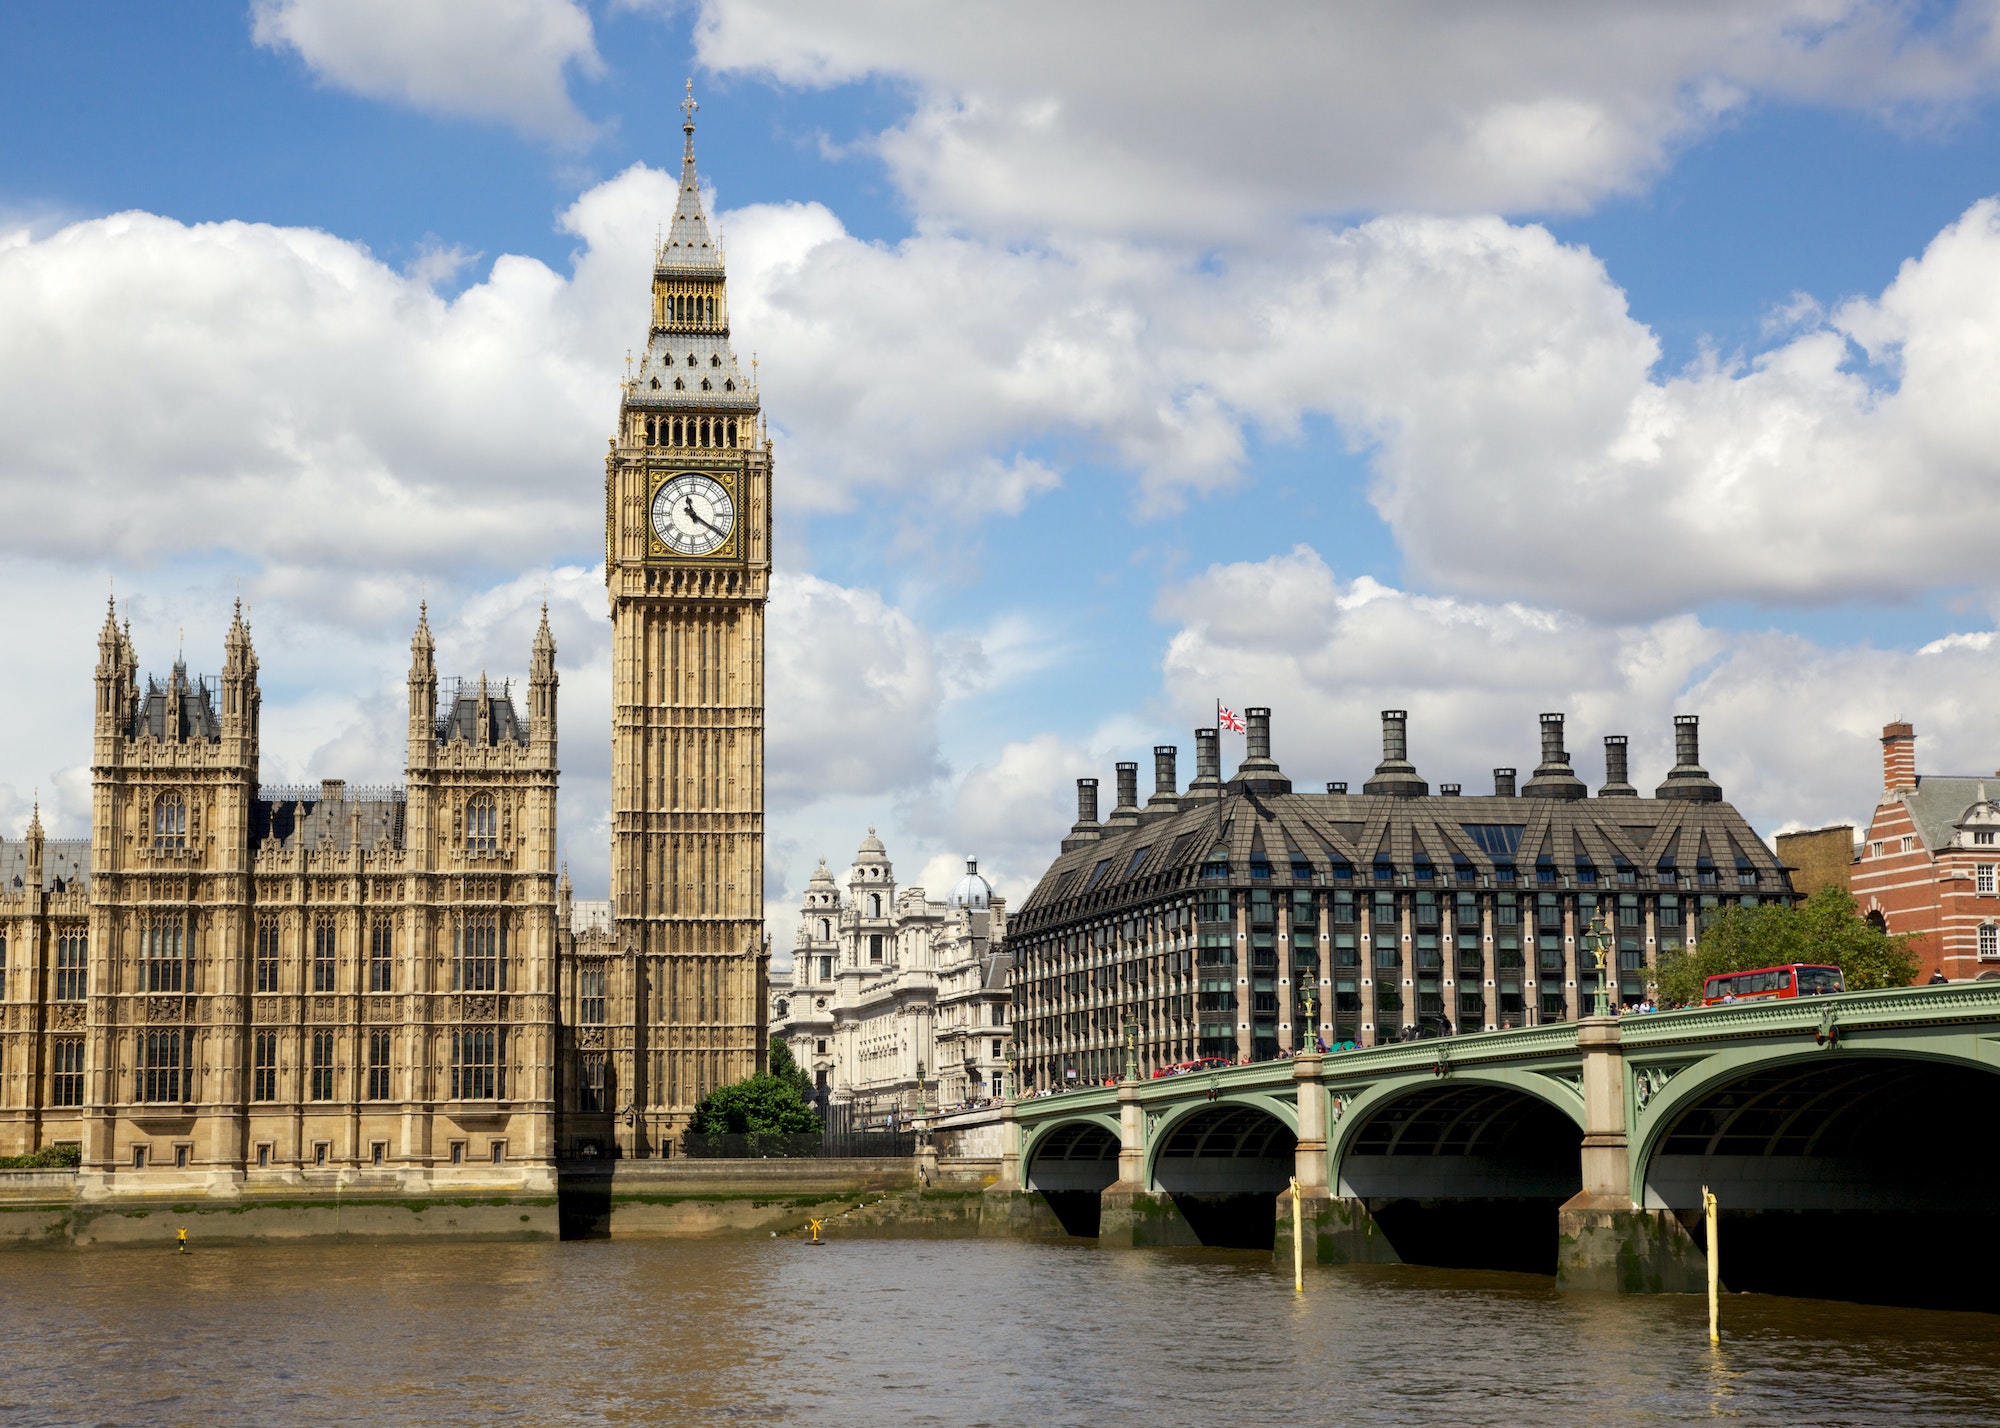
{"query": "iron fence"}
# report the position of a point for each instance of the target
(808, 1145)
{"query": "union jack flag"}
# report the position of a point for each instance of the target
(1228, 720)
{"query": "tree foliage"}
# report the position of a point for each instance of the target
(1825, 930)
(785, 1066)
(777, 1103)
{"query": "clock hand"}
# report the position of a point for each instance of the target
(693, 515)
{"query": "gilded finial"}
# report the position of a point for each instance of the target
(688, 107)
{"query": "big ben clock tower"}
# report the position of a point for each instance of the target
(687, 562)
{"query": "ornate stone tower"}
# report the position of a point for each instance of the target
(687, 501)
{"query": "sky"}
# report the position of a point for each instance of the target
(1624, 361)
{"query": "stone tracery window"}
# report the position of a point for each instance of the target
(72, 969)
(164, 954)
(482, 826)
(381, 956)
(162, 1055)
(169, 823)
(479, 965)
(267, 955)
(323, 956)
(478, 1065)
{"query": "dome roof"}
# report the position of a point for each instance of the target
(821, 877)
(971, 891)
(871, 850)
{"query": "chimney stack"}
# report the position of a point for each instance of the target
(1257, 735)
(1503, 783)
(1126, 813)
(1554, 778)
(1165, 799)
(1395, 776)
(1687, 779)
(1616, 782)
(1899, 757)
(1207, 781)
(1259, 772)
(1339, 787)
(1086, 829)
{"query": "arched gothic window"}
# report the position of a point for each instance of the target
(825, 929)
(170, 823)
(482, 825)
(874, 904)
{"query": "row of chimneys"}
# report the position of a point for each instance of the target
(1395, 776)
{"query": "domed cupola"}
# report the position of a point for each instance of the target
(871, 861)
(971, 891)
(821, 890)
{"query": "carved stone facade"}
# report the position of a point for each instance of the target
(897, 1004)
(687, 493)
(233, 985)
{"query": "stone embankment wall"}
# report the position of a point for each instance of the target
(920, 1197)
(43, 1208)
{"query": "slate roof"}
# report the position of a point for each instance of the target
(197, 718)
(666, 359)
(306, 818)
(690, 249)
(1320, 832)
(65, 864)
(461, 720)
(1941, 800)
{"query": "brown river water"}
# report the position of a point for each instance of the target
(927, 1332)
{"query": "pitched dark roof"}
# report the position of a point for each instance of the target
(323, 817)
(1323, 831)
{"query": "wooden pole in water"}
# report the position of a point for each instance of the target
(1714, 1267)
(1298, 1242)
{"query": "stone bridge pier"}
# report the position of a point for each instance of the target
(1605, 1241)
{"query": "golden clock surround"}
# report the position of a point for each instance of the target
(725, 475)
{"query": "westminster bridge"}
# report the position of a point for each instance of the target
(1838, 1133)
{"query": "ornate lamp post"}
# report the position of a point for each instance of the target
(1131, 1050)
(1312, 1026)
(1013, 1090)
(1598, 941)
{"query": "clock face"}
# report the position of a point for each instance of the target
(693, 515)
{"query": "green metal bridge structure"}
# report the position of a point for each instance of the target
(1840, 1134)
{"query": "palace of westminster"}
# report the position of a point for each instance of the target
(230, 985)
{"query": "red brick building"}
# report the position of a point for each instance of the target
(1930, 862)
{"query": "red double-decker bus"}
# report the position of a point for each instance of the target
(1769, 983)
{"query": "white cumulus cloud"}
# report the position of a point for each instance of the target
(503, 60)
(1216, 122)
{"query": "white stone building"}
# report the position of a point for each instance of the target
(896, 1003)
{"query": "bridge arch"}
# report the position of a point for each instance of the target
(1070, 1163)
(1834, 1169)
(1467, 1171)
(1222, 1163)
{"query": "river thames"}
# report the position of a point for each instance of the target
(968, 1332)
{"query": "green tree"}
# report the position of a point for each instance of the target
(1825, 930)
(761, 1105)
(786, 1067)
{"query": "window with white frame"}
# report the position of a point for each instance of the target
(1989, 942)
(1983, 877)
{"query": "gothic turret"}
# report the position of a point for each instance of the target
(423, 691)
(542, 689)
(240, 697)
